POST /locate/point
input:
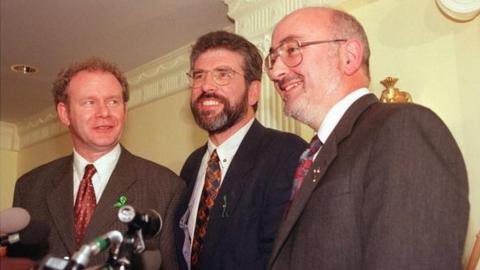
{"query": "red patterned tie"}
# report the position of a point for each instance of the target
(306, 161)
(207, 200)
(84, 204)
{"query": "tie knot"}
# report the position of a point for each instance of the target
(214, 157)
(89, 171)
(315, 144)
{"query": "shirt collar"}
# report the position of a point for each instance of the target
(336, 113)
(229, 147)
(104, 165)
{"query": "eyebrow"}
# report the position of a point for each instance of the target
(287, 38)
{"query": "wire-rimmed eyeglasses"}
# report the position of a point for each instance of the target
(220, 75)
(290, 52)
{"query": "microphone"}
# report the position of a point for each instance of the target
(81, 258)
(13, 220)
(149, 223)
(35, 233)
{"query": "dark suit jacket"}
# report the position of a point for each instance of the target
(256, 188)
(47, 193)
(388, 190)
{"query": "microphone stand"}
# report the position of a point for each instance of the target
(121, 258)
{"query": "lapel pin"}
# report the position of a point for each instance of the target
(122, 200)
(316, 172)
(224, 206)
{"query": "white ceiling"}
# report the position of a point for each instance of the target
(50, 34)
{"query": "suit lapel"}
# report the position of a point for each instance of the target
(323, 160)
(60, 204)
(118, 185)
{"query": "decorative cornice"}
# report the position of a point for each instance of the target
(8, 137)
(254, 17)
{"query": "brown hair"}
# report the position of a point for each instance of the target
(252, 67)
(65, 75)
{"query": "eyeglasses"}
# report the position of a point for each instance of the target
(290, 52)
(220, 75)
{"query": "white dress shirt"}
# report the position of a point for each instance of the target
(104, 166)
(336, 113)
(226, 151)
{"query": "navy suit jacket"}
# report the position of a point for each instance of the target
(47, 194)
(251, 201)
(388, 190)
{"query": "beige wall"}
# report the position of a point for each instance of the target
(164, 131)
(43, 152)
(8, 174)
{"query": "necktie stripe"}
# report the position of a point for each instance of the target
(305, 162)
(207, 201)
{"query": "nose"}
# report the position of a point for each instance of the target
(208, 84)
(278, 70)
(102, 109)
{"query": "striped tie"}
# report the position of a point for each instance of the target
(207, 200)
(305, 162)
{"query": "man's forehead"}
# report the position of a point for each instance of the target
(299, 25)
(218, 57)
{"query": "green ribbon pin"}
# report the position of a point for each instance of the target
(122, 200)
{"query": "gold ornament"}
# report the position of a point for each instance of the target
(392, 94)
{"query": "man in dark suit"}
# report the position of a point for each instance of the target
(232, 225)
(91, 101)
(388, 188)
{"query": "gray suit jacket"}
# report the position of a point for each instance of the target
(47, 193)
(388, 190)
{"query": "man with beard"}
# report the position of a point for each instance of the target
(239, 182)
(388, 189)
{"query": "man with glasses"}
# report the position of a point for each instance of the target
(239, 182)
(388, 186)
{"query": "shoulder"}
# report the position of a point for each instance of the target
(404, 117)
(197, 153)
(281, 141)
(192, 162)
(46, 170)
(283, 137)
(146, 167)
(410, 126)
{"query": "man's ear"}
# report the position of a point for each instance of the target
(254, 92)
(62, 112)
(352, 56)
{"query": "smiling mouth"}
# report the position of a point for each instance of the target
(209, 102)
(289, 87)
(104, 127)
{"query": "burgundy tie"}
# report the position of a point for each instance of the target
(306, 161)
(84, 204)
(207, 200)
